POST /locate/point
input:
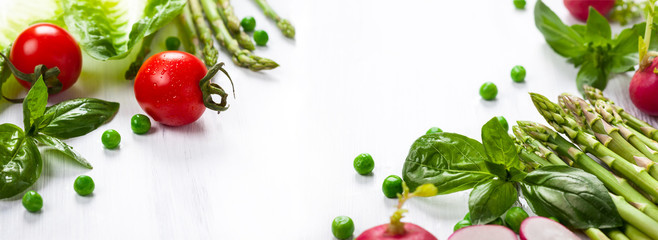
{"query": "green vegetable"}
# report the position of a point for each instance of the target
(261, 37)
(497, 221)
(140, 124)
(248, 24)
(500, 149)
(205, 34)
(286, 27)
(635, 218)
(433, 130)
(172, 43)
(32, 201)
(144, 51)
(461, 224)
(111, 138)
(488, 91)
(20, 159)
(363, 164)
(392, 186)
(519, 4)
(228, 16)
(84, 185)
(503, 122)
(17, 17)
(191, 37)
(342, 227)
(468, 216)
(76, 117)
(514, 217)
(554, 219)
(518, 73)
(490, 199)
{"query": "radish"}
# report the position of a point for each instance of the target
(541, 228)
(580, 8)
(643, 89)
(396, 230)
(489, 232)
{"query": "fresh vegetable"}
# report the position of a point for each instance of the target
(519, 4)
(497, 221)
(140, 124)
(111, 139)
(503, 122)
(397, 230)
(205, 34)
(172, 43)
(434, 130)
(488, 91)
(392, 186)
(580, 9)
(174, 88)
(644, 84)
(518, 73)
(286, 27)
(626, 11)
(342, 227)
(467, 216)
(84, 185)
(541, 228)
(462, 224)
(248, 24)
(490, 232)
(32, 201)
(190, 41)
(144, 51)
(513, 218)
(363, 164)
(233, 24)
(261, 37)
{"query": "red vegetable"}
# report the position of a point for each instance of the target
(174, 88)
(580, 8)
(489, 232)
(643, 89)
(541, 228)
(50, 45)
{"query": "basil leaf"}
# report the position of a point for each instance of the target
(490, 199)
(76, 117)
(592, 74)
(20, 161)
(562, 39)
(34, 104)
(62, 147)
(578, 199)
(104, 29)
(450, 161)
(598, 27)
(499, 146)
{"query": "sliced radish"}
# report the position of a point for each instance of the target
(489, 232)
(541, 228)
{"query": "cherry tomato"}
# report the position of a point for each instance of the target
(580, 8)
(47, 44)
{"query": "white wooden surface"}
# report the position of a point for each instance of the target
(361, 76)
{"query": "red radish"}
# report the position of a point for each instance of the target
(489, 232)
(541, 228)
(580, 8)
(643, 89)
(396, 230)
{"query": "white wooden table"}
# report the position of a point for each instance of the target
(361, 76)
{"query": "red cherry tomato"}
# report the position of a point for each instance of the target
(47, 44)
(580, 8)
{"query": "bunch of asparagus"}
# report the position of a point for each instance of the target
(624, 143)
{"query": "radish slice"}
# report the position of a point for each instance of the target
(541, 228)
(489, 232)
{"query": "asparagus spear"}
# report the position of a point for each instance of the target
(615, 234)
(537, 147)
(205, 34)
(596, 234)
(233, 24)
(241, 57)
(612, 117)
(191, 39)
(144, 51)
(286, 27)
(634, 233)
(635, 218)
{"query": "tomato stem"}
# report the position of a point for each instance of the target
(49, 76)
(208, 89)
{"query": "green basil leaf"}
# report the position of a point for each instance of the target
(598, 27)
(562, 39)
(578, 199)
(490, 199)
(34, 104)
(62, 147)
(20, 161)
(499, 146)
(450, 161)
(580, 29)
(105, 29)
(76, 117)
(592, 75)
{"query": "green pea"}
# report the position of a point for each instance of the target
(518, 73)
(32, 201)
(462, 224)
(519, 4)
(468, 216)
(434, 130)
(172, 43)
(140, 123)
(498, 221)
(111, 138)
(248, 24)
(392, 186)
(488, 91)
(342, 227)
(363, 164)
(503, 122)
(261, 37)
(84, 185)
(514, 217)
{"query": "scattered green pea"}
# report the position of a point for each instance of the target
(84, 185)
(248, 24)
(111, 138)
(498, 221)
(172, 43)
(468, 216)
(462, 224)
(392, 186)
(363, 164)
(514, 217)
(518, 73)
(32, 201)
(434, 130)
(503, 122)
(488, 91)
(261, 37)
(342, 227)
(140, 123)
(519, 4)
